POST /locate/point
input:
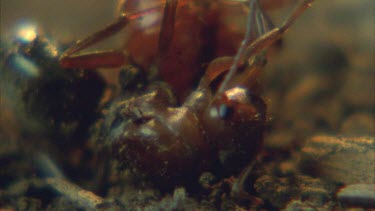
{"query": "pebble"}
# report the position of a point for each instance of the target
(298, 205)
(280, 139)
(360, 123)
(358, 195)
(347, 160)
(306, 206)
(358, 89)
(206, 179)
(279, 190)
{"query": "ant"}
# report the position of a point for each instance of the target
(219, 126)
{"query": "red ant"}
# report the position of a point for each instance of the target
(219, 127)
(178, 43)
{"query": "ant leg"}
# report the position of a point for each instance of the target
(270, 37)
(263, 23)
(167, 27)
(245, 51)
(238, 190)
(257, 24)
(266, 40)
(104, 59)
(258, 45)
(108, 31)
(110, 58)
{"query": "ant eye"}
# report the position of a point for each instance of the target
(225, 112)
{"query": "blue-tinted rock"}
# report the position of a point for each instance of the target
(347, 160)
(358, 195)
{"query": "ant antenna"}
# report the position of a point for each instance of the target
(253, 5)
(264, 40)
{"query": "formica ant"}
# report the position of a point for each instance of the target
(219, 126)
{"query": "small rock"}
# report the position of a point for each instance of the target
(206, 180)
(280, 139)
(287, 168)
(314, 190)
(279, 190)
(307, 90)
(26, 203)
(306, 206)
(358, 89)
(358, 195)
(340, 159)
(276, 190)
(298, 205)
(359, 124)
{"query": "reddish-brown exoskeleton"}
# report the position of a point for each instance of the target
(191, 35)
(219, 127)
(178, 41)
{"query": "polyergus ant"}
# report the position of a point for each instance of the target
(219, 126)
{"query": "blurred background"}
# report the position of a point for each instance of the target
(63, 20)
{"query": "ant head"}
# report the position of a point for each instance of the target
(234, 122)
(237, 106)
